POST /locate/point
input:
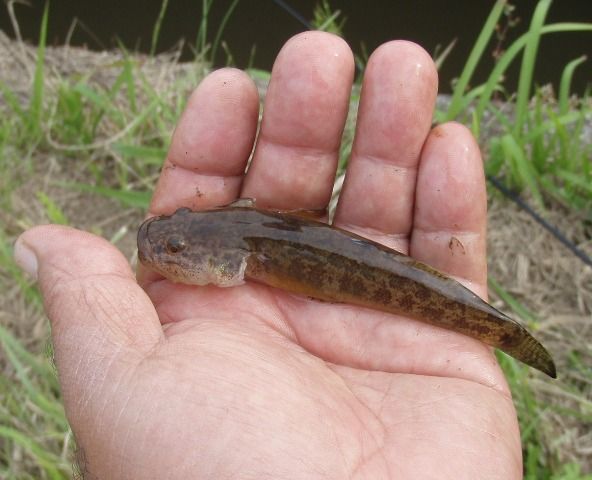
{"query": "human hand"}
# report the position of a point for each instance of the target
(174, 381)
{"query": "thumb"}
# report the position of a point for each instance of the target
(99, 315)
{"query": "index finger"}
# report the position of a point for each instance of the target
(210, 146)
(396, 107)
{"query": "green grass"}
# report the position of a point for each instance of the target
(116, 136)
(539, 149)
(32, 421)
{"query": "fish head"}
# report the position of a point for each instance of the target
(196, 248)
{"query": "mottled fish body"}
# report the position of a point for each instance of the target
(228, 245)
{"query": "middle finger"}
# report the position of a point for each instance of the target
(305, 110)
(394, 118)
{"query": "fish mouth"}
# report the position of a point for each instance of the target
(145, 251)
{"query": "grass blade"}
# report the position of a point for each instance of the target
(52, 409)
(130, 198)
(528, 63)
(36, 105)
(506, 59)
(148, 155)
(54, 213)
(565, 83)
(16, 274)
(512, 301)
(549, 126)
(575, 180)
(157, 25)
(202, 33)
(221, 29)
(522, 168)
(43, 369)
(128, 78)
(46, 461)
(476, 54)
(12, 100)
(440, 57)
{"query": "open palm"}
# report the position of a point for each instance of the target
(252, 382)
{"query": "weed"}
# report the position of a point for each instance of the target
(541, 146)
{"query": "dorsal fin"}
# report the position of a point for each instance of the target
(308, 214)
(242, 202)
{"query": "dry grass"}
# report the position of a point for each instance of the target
(550, 281)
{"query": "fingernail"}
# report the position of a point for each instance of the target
(25, 258)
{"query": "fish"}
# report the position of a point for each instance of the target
(228, 246)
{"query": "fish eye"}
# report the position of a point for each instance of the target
(175, 245)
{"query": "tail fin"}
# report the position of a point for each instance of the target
(530, 351)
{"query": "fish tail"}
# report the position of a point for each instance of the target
(530, 351)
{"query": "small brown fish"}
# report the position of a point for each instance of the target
(228, 245)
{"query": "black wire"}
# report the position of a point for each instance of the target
(294, 13)
(494, 181)
(549, 227)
